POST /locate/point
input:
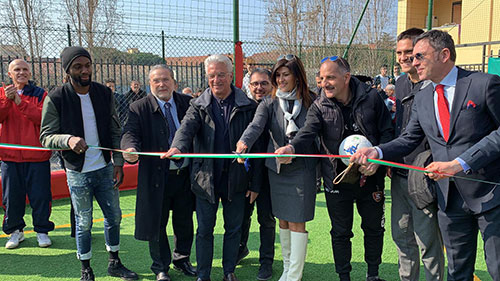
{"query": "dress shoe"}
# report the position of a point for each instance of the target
(230, 277)
(265, 272)
(162, 276)
(186, 267)
(199, 279)
(117, 269)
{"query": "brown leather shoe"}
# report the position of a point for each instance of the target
(230, 277)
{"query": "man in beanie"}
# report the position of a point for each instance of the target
(75, 116)
(24, 172)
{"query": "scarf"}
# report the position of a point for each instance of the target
(284, 97)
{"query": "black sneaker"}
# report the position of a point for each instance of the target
(117, 269)
(265, 272)
(242, 254)
(87, 274)
(374, 278)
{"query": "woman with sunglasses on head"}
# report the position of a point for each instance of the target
(293, 187)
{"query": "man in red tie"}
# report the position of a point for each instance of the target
(464, 140)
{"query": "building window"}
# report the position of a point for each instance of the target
(456, 12)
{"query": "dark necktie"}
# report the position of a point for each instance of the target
(171, 130)
(444, 111)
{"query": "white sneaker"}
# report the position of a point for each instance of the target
(43, 240)
(16, 237)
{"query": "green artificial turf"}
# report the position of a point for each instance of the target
(29, 262)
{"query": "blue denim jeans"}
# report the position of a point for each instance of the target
(83, 187)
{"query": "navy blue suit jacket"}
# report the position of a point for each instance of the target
(474, 137)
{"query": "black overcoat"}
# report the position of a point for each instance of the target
(146, 130)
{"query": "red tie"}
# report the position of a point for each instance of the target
(444, 112)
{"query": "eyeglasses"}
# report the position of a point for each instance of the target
(256, 84)
(418, 56)
(288, 57)
(220, 75)
(335, 58)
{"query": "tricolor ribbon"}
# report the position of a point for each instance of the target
(245, 155)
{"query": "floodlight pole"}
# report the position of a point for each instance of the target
(429, 14)
(355, 30)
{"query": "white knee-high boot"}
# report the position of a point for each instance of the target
(298, 242)
(285, 252)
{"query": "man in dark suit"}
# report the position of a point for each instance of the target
(163, 185)
(460, 116)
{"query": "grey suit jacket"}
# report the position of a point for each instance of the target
(269, 116)
(474, 137)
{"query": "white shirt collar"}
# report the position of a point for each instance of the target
(161, 103)
(450, 80)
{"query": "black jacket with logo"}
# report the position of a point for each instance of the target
(325, 119)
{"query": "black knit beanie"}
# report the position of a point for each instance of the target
(69, 54)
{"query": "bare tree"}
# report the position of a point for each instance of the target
(27, 19)
(324, 27)
(94, 20)
(286, 23)
(324, 22)
(373, 32)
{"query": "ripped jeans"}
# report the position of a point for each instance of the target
(83, 187)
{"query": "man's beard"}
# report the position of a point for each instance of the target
(78, 80)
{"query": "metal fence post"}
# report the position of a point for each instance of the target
(69, 35)
(484, 58)
(163, 44)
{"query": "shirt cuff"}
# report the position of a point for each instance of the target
(379, 151)
(464, 165)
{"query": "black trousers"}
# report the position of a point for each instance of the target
(340, 208)
(459, 228)
(267, 222)
(19, 180)
(206, 214)
(182, 205)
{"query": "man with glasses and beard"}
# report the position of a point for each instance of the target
(75, 116)
(260, 87)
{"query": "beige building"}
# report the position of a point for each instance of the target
(468, 22)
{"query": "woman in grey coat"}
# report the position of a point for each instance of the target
(293, 187)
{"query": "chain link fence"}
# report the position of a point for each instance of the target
(131, 55)
(124, 57)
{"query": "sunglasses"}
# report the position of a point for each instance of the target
(288, 57)
(334, 58)
(418, 56)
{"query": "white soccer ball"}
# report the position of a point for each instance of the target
(351, 144)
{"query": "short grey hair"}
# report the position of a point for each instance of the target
(438, 40)
(162, 66)
(390, 87)
(219, 59)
